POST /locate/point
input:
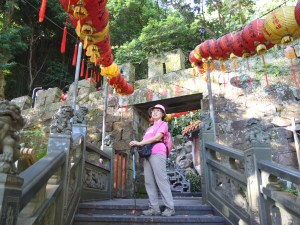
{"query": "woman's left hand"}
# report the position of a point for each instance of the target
(135, 143)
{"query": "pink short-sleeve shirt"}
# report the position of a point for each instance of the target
(161, 127)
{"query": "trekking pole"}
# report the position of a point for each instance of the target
(133, 161)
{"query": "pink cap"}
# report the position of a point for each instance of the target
(158, 106)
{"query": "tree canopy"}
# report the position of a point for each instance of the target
(30, 51)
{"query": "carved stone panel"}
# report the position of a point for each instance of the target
(230, 191)
(95, 179)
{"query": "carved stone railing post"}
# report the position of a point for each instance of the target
(61, 142)
(258, 151)
(206, 134)
(204, 137)
(60, 139)
(108, 148)
(11, 121)
(10, 195)
(80, 127)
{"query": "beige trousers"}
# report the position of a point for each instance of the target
(156, 177)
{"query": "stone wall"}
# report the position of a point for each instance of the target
(274, 105)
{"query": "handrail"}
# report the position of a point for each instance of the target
(292, 175)
(36, 176)
(225, 150)
(100, 152)
(77, 139)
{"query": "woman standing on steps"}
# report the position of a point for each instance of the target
(155, 165)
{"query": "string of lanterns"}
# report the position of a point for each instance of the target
(282, 26)
(175, 116)
(90, 20)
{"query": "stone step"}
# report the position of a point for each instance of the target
(94, 219)
(128, 209)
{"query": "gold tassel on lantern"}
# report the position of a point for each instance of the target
(80, 11)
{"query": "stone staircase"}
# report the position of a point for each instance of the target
(121, 211)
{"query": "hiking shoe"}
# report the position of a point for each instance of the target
(150, 212)
(168, 212)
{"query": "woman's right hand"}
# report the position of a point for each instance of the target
(134, 143)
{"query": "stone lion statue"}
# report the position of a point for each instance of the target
(10, 122)
(80, 115)
(61, 123)
(109, 140)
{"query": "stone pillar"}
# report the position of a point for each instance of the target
(128, 72)
(80, 129)
(10, 196)
(172, 61)
(255, 198)
(204, 137)
(111, 151)
(61, 142)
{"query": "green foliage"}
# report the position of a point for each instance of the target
(195, 181)
(176, 128)
(57, 73)
(291, 191)
(271, 69)
(42, 154)
(34, 139)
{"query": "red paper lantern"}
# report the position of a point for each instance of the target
(205, 48)
(253, 38)
(92, 7)
(237, 47)
(193, 59)
(130, 90)
(121, 86)
(99, 22)
(112, 82)
(225, 45)
(297, 12)
(119, 79)
(217, 50)
(106, 62)
(200, 70)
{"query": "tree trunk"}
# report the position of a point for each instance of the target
(2, 82)
(8, 16)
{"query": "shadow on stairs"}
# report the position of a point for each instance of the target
(121, 211)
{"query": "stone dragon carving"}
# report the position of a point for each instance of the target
(61, 123)
(80, 115)
(94, 179)
(10, 122)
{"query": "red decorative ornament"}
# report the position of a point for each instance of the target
(237, 47)
(216, 51)
(82, 68)
(87, 72)
(64, 40)
(92, 7)
(205, 48)
(42, 11)
(253, 38)
(98, 22)
(225, 45)
(193, 59)
(75, 56)
(200, 70)
(297, 12)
